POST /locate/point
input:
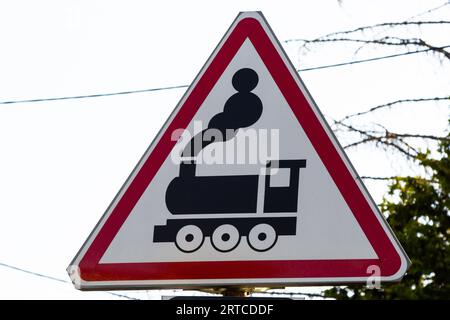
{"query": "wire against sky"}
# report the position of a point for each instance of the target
(98, 95)
(57, 279)
(369, 59)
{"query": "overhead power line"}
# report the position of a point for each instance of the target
(98, 95)
(40, 275)
(36, 274)
(370, 59)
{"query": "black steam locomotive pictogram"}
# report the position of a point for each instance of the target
(189, 194)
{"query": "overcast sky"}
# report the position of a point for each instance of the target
(62, 162)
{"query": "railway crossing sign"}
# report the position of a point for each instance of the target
(245, 185)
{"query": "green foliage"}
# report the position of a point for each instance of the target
(417, 210)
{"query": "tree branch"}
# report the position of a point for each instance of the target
(434, 48)
(380, 25)
(401, 178)
(385, 138)
(385, 41)
(386, 143)
(386, 134)
(390, 104)
(390, 41)
(419, 136)
(378, 178)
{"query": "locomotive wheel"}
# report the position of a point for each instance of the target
(225, 238)
(262, 237)
(189, 238)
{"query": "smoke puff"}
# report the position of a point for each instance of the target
(241, 110)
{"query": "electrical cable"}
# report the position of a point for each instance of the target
(36, 274)
(97, 95)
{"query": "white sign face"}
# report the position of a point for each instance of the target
(244, 185)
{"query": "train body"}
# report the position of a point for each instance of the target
(189, 194)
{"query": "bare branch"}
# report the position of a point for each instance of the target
(434, 48)
(400, 149)
(401, 142)
(357, 143)
(388, 40)
(420, 136)
(386, 138)
(378, 178)
(390, 104)
(446, 3)
(395, 178)
(386, 134)
(391, 41)
(390, 25)
(380, 25)
(379, 140)
(385, 41)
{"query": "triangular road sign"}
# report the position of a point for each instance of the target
(298, 216)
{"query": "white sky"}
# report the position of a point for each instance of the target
(62, 162)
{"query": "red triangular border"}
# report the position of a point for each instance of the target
(389, 259)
